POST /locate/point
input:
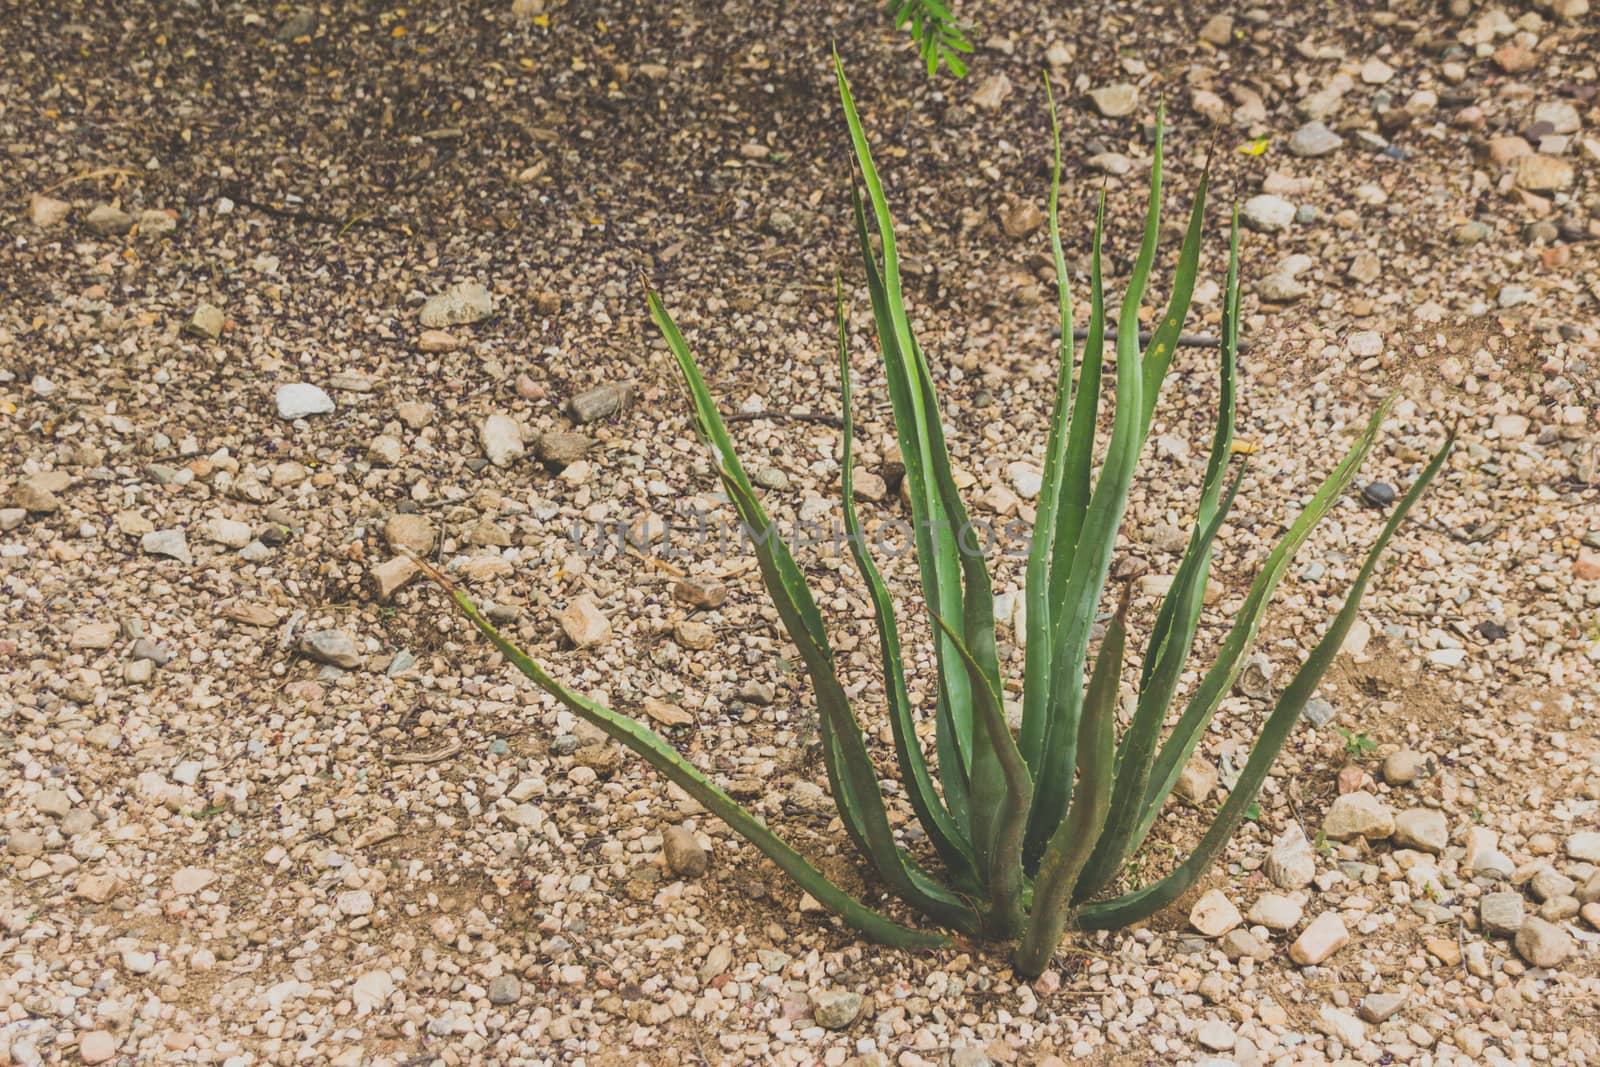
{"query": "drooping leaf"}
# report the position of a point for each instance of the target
(665, 759)
(851, 774)
(1279, 727)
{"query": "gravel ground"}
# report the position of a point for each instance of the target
(288, 290)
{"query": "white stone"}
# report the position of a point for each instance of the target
(301, 399)
(1214, 914)
(501, 436)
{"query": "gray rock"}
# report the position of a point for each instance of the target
(562, 449)
(1312, 140)
(300, 399)
(1267, 213)
(835, 1009)
(333, 647)
(171, 543)
(107, 221)
(505, 989)
(461, 304)
(1115, 101)
(1376, 1007)
(601, 401)
(300, 24)
(1501, 913)
(1318, 712)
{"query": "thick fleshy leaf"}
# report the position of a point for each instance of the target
(1071, 504)
(850, 770)
(664, 758)
(1000, 852)
(1181, 743)
(1172, 635)
(1279, 727)
(1071, 844)
(1073, 612)
(933, 530)
(947, 838)
(1037, 617)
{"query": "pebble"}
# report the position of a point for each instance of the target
(584, 623)
(1214, 914)
(1379, 1007)
(1402, 767)
(333, 647)
(1378, 494)
(1542, 173)
(1349, 1030)
(107, 221)
(1115, 101)
(505, 989)
(560, 450)
(1267, 214)
(1218, 30)
(1313, 140)
(835, 1009)
(1424, 829)
(1543, 944)
(46, 211)
(462, 304)
(371, 991)
(191, 880)
(409, 531)
(600, 402)
(1322, 938)
(702, 593)
(1216, 1035)
(1501, 913)
(169, 543)
(501, 437)
(1585, 846)
(1358, 814)
(1292, 863)
(1276, 912)
(389, 577)
(684, 855)
(97, 1046)
(207, 321)
(301, 400)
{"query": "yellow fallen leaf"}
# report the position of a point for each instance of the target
(541, 20)
(1255, 147)
(1242, 447)
(398, 31)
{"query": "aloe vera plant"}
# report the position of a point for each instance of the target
(1029, 834)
